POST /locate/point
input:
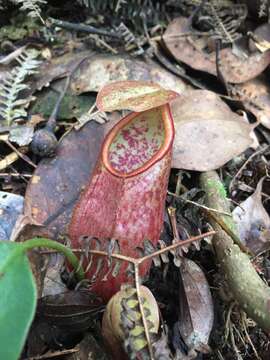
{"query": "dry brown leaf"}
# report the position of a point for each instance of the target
(196, 307)
(191, 50)
(56, 184)
(70, 310)
(207, 132)
(253, 221)
(57, 68)
(255, 96)
(133, 95)
(100, 70)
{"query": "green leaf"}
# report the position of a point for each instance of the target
(17, 299)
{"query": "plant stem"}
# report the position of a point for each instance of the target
(250, 291)
(51, 244)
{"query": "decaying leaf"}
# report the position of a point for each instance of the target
(100, 70)
(56, 184)
(21, 135)
(58, 68)
(122, 325)
(89, 349)
(260, 38)
(253, 221)
(133, 95)
(72, 311)
(207, 132)
(11, 206)
(196, 307)
(255, 96)
(191, 50)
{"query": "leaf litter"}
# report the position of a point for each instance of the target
(211, 132)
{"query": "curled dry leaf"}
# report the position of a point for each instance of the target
(191, 50)
(207, 132)
(196, 307)
(122, 324)
(100, 70)
(255, 96)
(253, 221)
(133, 95)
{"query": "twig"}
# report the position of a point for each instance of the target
(15, 175)
(139, 261)
(172, 215)
(81, 27)
(174, 69)
(199, 205)
(102, 43)
(243, 320)
(174, 246)
(21, 155)
(264, 148)
(8, 160)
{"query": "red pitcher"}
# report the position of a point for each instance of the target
(125, 197)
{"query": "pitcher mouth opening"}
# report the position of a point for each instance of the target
(138, 141)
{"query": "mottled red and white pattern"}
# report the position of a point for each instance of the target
(137, 142)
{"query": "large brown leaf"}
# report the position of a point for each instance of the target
(100, 70)
(57, 182)
(207, 132)
(255, 96)
(191, 50)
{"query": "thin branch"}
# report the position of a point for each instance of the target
(174, 246)
(260, 151)
(81, 27)
(144, 258)
(22, 156)
(198, 205)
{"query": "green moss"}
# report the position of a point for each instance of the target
(21, 26)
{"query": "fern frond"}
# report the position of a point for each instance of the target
(119, 4)
(263, 8)
(32, 7)
(11, 108)
(129, 38)
(224, 21)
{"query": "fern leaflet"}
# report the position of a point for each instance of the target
(12, 107)
(32, 7)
